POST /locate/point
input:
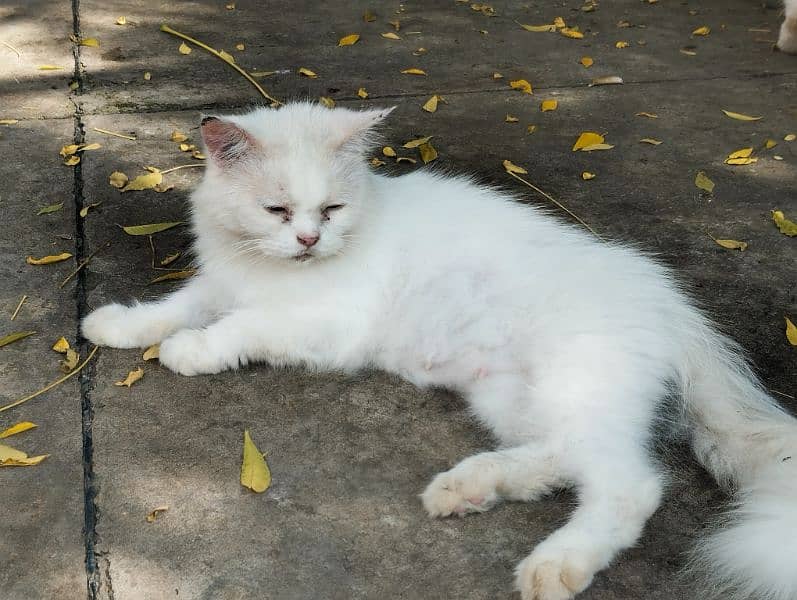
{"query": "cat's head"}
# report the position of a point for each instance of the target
(287, 183)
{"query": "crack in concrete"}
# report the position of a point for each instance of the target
(86, 377)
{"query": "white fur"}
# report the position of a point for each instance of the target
(564, 346)
(787, 40)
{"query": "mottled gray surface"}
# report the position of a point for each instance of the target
(350, 454)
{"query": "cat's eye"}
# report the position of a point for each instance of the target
(277, 210)
(332, 207)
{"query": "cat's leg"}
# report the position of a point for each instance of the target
(144, 324)
(618, 491)
(315, 336)
(522, 473)
(787, 41)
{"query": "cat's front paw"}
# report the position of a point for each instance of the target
(553, 574)
(461, 490)
(187, 352)
(114, 325)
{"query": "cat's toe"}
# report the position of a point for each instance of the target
(188, 353)
(552, 576)
(449, 494)
(110, 325)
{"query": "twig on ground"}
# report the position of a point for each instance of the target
(83, 263)
(21, 302)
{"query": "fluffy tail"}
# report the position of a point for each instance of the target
(749, 444)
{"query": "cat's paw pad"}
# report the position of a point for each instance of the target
(458, 492)
(187, 352)
(552, 576)
(111, 325)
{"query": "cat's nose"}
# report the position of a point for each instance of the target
(307, 240)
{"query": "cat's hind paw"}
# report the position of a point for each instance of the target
(187, 352)
(113, 325)
(546, 575)
(459, 491)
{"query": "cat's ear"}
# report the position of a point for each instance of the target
(226, 142)
(355, 128)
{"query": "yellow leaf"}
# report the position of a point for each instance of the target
(621, 44)
(11, 457)
(240, 46)
(118, 179)
(327, 101)
(147, 75)
(651, 141)
(791, 332)
(131, 378)
(69, 150)
(513, 168)
(170, 259)
(61, 345)
(428, 153)
(72, 161)
(8, 121)
(187, 147)
(647, 114)
(13, 337)
(559, 23)
(608, 80)
(688, 52)
(388, 151)
(571, 33)
(704, 30)
(121, 20)
(406, 159)
(375, 162)
(586, 176)
(531, 129)
(49, 68)
(90, 42)
(93, 146)
(349, 40)
(497, 75)
(47, 260)
(414, 71)
(741, 161)
(592, 147)
(85, 210)
(391, 36)
(307, 73)
(785, 226)
(362, 93)
(419, 51)
(18, 428)
(46, 210)
(184, 48)
(769, 144)
(155, 512)
(790, 137)
(430, 105)
(704, 183)
(743, 153)
(174, 276)
(511, 119)
(586, 61)
(70, 361)
(417, 142)
(522, 85)
(143, 182)
(538, 28)
(588, 138)
(255, 473)
(732, 244)
(177, 136)
(152, 352)
(740, 116)
(150, 229)
(549, 105)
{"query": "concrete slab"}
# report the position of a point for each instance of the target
(41, 507)
(463, 49)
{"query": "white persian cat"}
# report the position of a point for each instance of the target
(564, 346)
(787, 41)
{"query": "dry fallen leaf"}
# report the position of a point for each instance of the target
(155, 513)
(587, 62)
(587, 138)
(255, 473)
(549, 105)
(61, 345)
(497, 75)
(417, 142)
(118, 179)
(69, 150)
(511, 119)
(704, 30)
(538, 28)
(521, 85)
(621, 44)
(90, 42)
(49, 68)
(184, 48)
(240, 46)
(428, 153)
(11, 457)
(8, 121)
(648, 115)
(586, 176)
(147, 75)
(46, 210)
(150, 228)
(731, 244)
(740, 116)
(375, 162)
(791, 332)
(173, 276)
(18, 428)
(14, 337)
(785, 226)
(790, 137)
(170, 259)
(651, 141)
(531, 128)
(177, 136)
(307, 73)
(413, 71)
(71, 360)
(152, 352)
(362, 93)
(406, 159)
(571, 33)
(121, 20)
(131, 378)
(327, 101)
(72, 161)
(390, 36)
(704, 183)
(741, 157)
(143, 182)
(608, 80)
(513, 168)
(388, 151)
(431, 104)
(592, 147)
(349, 40)
(47, 260)
(769, 144)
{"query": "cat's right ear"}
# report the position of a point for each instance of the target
(225, 141)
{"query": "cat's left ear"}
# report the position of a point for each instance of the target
(226, 142)
(355, 128)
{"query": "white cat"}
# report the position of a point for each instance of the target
(564, 346)
(787, 41)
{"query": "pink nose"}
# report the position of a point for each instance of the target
(307, 240)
